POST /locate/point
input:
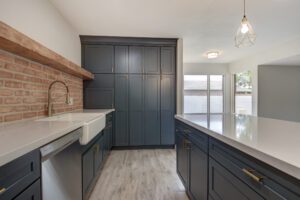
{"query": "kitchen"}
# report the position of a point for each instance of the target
(149, 100)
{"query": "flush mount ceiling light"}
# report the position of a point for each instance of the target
(212, 54)
(245, 35)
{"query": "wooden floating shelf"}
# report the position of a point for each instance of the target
(15, 42)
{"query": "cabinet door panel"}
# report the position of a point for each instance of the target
(31, 193)
(182, 156)
(136, 128)
(100, 81)
(136, 117)
(99, 58)
(87, 169)
(98, 98)
(121, 128)
(135, 59)
(121, 92)
(225, 186)
(167, 97)
(198, 173)
(121, 59)
(98, 154)
(152, 60)
(168, 60)
(152, 109)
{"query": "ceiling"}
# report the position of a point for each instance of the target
(203, 24)
(290, 61)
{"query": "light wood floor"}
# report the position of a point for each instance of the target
(139, 175)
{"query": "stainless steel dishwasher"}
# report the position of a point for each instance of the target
(61, 168)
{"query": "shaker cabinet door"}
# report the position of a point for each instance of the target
(151, 60)
(99, 58)
(168, 62)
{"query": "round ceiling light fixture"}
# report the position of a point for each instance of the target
(212, 54)
(245, 35)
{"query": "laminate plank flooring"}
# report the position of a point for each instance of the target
(140, 175)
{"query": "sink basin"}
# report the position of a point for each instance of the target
(93, 123)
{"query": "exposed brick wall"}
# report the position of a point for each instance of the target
(24, 89)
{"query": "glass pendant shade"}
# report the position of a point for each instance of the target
(245, 35)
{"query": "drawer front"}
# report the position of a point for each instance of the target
(193, 135)
(225, 186)
(267, 181)
(31, 193)
(19, 174)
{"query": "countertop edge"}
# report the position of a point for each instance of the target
(283, 166)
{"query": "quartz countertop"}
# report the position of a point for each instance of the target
(19, 138)
(275, 142)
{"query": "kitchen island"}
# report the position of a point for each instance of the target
(238, 156)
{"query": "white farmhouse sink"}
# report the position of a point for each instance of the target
(93, 123)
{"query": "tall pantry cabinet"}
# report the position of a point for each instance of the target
(137, 77)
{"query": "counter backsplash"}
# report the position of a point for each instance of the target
(24, 89)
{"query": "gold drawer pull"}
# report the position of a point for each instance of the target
(249, 172)
(2, 190)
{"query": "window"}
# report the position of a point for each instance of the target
(243, 93)
(203, 94)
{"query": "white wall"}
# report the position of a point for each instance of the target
(278, 52)
(41, 21)
(212, 69)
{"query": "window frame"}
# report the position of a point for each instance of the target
(208, 91)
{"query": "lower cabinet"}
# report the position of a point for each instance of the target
(192, 162)
(94, 156)
(33, 192)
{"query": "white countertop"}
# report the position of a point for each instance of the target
(19, 138)
(274, 142)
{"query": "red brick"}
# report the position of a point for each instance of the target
(12, 100)
(6, 57)
(14, 67)
(13, 117)
(29, 115)
(6, 109)
(22, 93)
(5, 74)
(13, 84)
(6, 92)
(21, 61)
(36, 66)
(21, 108)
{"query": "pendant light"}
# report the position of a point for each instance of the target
(245, 35)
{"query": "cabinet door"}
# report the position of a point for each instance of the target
(151, 60)
(198, 173)
(135, 59)
(136, 111)
(167, 96)
(121, 59)
(225, 186)
(168, 60)
(98, 154)
(99, 58)
(98, 98)
(182, 155)
(88, 169)
(33, 192)
(152, 109)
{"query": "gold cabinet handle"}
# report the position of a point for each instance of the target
(2, 190)
(249, 172)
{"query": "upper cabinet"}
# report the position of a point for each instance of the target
(168, 62)
(151, 60)
(99, 58)
(121, 59)
(135, 59)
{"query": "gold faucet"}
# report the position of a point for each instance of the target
(50, 104)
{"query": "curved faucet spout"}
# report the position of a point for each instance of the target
(50, 104)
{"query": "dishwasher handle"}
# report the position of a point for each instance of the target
(60, 144)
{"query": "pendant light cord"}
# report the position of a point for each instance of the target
(244, 8)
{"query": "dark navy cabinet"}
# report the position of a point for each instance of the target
(136, 109)
(136, 76)
(210, 169)
(19, 179)
(98, 58)
(151, 109)
(167, 109)
(121, 106)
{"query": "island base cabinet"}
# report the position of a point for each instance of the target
(182, 155)
(198, 173)
(31, 193)
(225, 186)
